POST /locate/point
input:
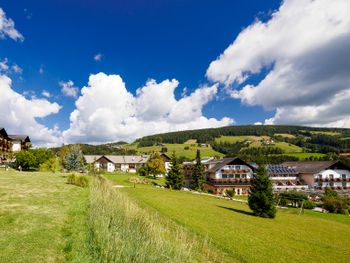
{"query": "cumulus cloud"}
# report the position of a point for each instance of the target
(304, 48)
(19, 114)
(106, 111)
(68, 89)
(98, 57)
(7, 27)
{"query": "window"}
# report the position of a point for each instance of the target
(237, 176)
(344, 184)
(331, 176)
(331, 184)
(244, 176)
(343, 176)
(237, 167)
(224, 176)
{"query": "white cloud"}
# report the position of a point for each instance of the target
(106, 111)
(7, 27)
(98, 57)
(304, 48)
(7, 68)
(68, 89)
(19, 115)
(46, 93)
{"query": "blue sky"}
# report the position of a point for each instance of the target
(164, 40)
(137, 39)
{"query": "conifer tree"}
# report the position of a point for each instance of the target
(261, 199)
(175, 177)
(198, 174)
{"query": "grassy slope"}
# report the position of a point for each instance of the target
(34, 209)
(180, 151)
(123, 179)
(288, 238)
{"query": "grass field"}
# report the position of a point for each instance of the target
(35, 209)
(234, 139)
(331, 133)
(180, 150)
(311, 237)
(123, 179)
(286, 135)
(303, 156)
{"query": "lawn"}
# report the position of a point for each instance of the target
(303, 156)
(35, 209)
(179, 149)
(234, 139)
(123, 179)
(232, 229)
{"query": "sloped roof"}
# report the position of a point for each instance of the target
(280, 169)
(91, 158)
(226, 161)
(311, 166)
(3, 131)
(135, 159)
(16, 137)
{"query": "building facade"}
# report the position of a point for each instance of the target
(12, 143)
(113, 163)
(285, 178)
(229, 174)
(320, 175)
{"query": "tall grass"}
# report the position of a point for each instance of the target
(121, 231)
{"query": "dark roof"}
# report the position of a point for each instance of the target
(226, 161)
(15, 137)
(280, 169)
(3, 131)
(313, 166)
(165, 156)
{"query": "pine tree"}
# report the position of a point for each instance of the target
(261, 199)
(175, 178)
(198, 174)
(73, 159)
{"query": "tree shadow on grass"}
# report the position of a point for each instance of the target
(237, 210)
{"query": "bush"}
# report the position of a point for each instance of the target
(309, 204)
(186, 148)
(78, 180)
(230, 193)
(339, 205)
(51, 165)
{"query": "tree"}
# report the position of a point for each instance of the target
(198, 173)
(155, 165)
(24, 160)
(73, 160)
(261, 199)
(51, 165)
(41, 156)
(175, 177)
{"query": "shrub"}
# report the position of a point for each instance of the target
(186, 148)
(339, 205)
(309, 204)
(78, 180)
(139, 180)
(51, 165)
(230, 193)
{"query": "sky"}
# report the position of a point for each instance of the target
(102, 71)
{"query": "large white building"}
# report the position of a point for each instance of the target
(323, 174)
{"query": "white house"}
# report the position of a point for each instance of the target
(112, 163)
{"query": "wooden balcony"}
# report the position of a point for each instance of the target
(229, 181)
(235, 171)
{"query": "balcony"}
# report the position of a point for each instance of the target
(229, 181)
(234, 171)
(288, 187)
(281, 178)
(332, 180)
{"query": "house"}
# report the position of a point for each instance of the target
(5, 145)
(285, 178)
(229, 174)
(319, 175)
(167, 161)
(12, 143)
(20, 142)
(112, 163)
(187, 168)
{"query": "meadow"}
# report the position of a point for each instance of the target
(185, 150)
(44, 219)
(37, 211)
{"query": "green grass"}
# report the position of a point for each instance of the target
(123, 179)
(234, 139)
(331, 133)
(37, 211)
(303, 156)
(290, 237)
(180, 150)
(121, 231)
